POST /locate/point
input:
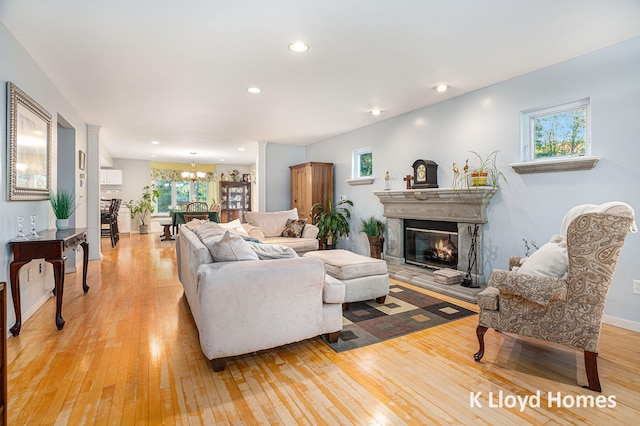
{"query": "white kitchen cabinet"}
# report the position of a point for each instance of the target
(110, 177)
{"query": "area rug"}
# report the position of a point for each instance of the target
(404, 311)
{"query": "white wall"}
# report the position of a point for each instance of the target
(18, 67)
(531, 206)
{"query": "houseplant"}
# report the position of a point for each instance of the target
(485, 173)
(144, 206)
(374, 228)
(63, 203)
(332, 220)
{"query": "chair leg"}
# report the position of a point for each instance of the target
(591, 365)
(480, 330)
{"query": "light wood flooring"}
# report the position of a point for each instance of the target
(129, 354)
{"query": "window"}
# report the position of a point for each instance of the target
(362, 163)
(175, 193)
(560, 131)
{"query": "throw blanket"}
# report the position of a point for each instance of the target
(272, 251)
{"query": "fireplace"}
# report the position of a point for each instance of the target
(433, 244)
(454, 218)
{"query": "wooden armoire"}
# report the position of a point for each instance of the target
(311, 183)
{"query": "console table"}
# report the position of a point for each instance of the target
(51, 246)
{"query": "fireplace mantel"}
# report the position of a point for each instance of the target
(468, 205)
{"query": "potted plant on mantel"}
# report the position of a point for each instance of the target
(374, 228)
(145, 206)
(63, 203)
(332, 221)
(485, 173)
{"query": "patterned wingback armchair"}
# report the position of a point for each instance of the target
(566, 309)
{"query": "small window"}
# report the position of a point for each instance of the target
(362, 163)
(560, 131)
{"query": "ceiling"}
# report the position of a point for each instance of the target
(178, 72)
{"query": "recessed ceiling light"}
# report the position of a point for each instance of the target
(441, 88)
(155, 143)
(376, 111)
(254, 90)
(298, 46)
(240, 149)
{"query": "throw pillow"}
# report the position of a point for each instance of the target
(223, 245)
(235, 226)
(550, 260)
(231, 247)
(294, 228)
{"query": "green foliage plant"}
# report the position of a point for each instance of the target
(63, 203)
(486, 165)
(146, 204)
(372, 226)
(332, 221)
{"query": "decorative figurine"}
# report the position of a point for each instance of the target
(33, 235)
(387, 179)
(456, 173)
(20, 236)
(408, 179)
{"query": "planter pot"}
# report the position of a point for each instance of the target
(144, 229)
(62, 223)
(479, 178)
(328, 246)
(375, 246)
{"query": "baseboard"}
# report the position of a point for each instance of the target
(32, 310)
(622, 323)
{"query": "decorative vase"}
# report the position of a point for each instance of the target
(62, 223)
(479, 178)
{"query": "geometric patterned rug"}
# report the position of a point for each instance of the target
(405, 311)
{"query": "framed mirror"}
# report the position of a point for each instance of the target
(29, 147)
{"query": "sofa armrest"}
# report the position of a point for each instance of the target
(537, 289)
(515, 261)
(333, 290)
(254, 231)
(310, 231)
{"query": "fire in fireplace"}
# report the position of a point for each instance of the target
(432, 244)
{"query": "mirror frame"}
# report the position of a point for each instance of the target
(17, 99)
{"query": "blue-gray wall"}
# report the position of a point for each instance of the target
(531, 206)
(18, 67)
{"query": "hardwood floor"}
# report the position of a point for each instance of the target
(129, 354)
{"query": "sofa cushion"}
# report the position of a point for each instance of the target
(293, 228)
(223, 245)
(550, 260)
(271, 223)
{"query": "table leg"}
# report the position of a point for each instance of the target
(85, 265)
(58, 274)
(14, 277)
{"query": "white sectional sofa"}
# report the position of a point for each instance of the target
(242, 304)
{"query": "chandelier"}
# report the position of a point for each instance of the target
(193, 175)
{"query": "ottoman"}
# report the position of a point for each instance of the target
(364, 278)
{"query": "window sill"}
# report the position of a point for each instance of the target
(558, 165)
(360, 181)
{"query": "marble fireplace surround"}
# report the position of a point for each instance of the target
(464, 206)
